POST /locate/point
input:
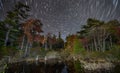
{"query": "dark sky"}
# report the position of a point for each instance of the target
(66, 16)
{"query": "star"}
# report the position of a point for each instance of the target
(66, 16)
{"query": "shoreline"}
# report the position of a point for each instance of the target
(87, 64)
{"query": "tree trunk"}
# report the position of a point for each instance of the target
(103, 45)
(104, 38)
(26, 49)
(50, 46)
(110, 42)
(92, 45)
(29, 46)
(46, 45)
(22, 45)
(95, 44)
(7, 37)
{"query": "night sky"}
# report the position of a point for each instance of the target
(66, 16)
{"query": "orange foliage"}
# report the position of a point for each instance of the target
(31, 27)
(70, 42)
(40, 39)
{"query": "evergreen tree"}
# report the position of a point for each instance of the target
(11, 23)
(60, 41)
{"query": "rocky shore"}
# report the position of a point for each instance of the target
(89, 65)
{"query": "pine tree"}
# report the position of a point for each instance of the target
(11, 23)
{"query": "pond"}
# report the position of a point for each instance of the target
(57, 67)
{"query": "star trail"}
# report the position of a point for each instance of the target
(66, 16)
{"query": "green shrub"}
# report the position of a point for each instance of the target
(115, 51)
(4, 51)
(78, 67)
(78, 47)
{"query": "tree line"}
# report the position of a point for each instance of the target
(96, 35)
(18, 30)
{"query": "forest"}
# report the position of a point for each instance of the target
(21, 37)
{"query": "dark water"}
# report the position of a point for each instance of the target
(58, 67)
(35, 68)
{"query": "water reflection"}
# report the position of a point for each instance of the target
(64, 70)
(58, 67)
(36, 68)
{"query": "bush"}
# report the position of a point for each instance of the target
(78, 47)
(115, 51)
(5, 51)
(78, 67)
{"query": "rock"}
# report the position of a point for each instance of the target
(53, 55)
(94, 66)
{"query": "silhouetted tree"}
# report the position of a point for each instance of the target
(99, 35)
(12, 21)
(30, 28)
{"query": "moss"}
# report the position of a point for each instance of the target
(78, 67)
